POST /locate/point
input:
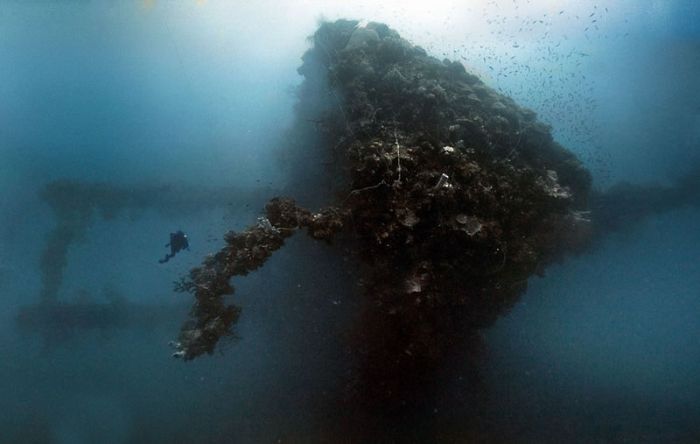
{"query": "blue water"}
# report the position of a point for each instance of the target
(604, 348)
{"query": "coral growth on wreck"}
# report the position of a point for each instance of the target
(453, 195)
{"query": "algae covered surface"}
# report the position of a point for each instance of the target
(452, 197)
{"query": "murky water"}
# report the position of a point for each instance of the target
(171, 102)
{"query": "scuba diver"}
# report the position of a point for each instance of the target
(178, 242)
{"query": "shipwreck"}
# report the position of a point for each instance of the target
(447, 195)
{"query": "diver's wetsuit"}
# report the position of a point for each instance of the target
(178, 242)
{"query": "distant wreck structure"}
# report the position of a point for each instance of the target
(75, 206)
(452, 197)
